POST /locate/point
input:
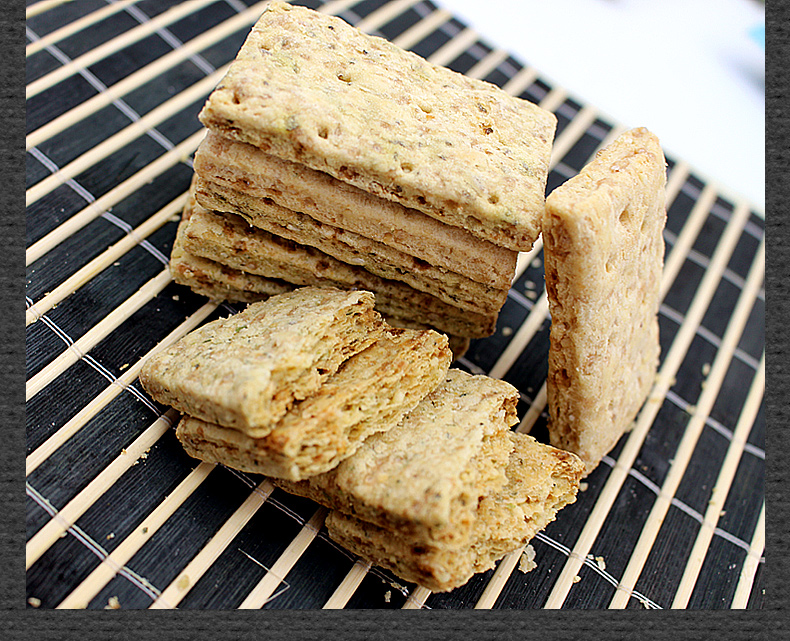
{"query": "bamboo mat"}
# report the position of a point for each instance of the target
(119, 516)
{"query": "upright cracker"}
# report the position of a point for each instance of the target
(247, 169)
(245, 371)
(311, 89)
(541, 480)
(426, 476)
(369, 393)
(604, 249)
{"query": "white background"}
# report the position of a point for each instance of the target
(688, 70)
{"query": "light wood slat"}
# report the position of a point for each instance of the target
(145, 74)
(573, 131)
(685, 241)
(688, 443)
(76, 507)
(115, 561)
(104, 260)
(554, 99)
(54, 442)
(180, 586)
(518, 83)
(423, 28)
(532, 414)
(721, 489)
(454, 47)
(124, 137)
(101, 330)
(487, 64)
(746, 578)
(333, 7)
(40, 7)
(261, 593)
(497, 582)
(521, 338)
(180, 153)
(416, 600)
(349, 585)
(664, 379)
(78, 25)
(115, 45)
(382, 15)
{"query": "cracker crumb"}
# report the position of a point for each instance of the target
(583, 486)
(111, 535)
(599, 561)
(34, 602)
(183, 582)
(145, 530)
(507, 331)
(387, 596)
(113, 603)
(527, 561)
(536, 262)
(577, 578)
(532, 295)
(176, 297)
(124, 366)
(705, 369)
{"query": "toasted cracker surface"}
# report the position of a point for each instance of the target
(310, 88)
(246, 169)
(369, 393)
(228, 239)
(246, 370)
(426, 476)
(353, 249)
(603, 250)
(541, 480)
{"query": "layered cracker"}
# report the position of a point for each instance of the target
(247, 370)
(369, 393)
(246, 169)
(229, 240)
(424, 478)
(541, 480)
(311, 89)
(603, 250)
(353, 249)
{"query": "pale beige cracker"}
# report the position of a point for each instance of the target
(352, 249)
(229, 240)
(369, 393)
(247, 370)
(541, 480)
(604, 252)
(311, 89)
(244, 168)
(426, 476)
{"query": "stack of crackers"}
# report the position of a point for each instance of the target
(335, 158)
(369, 205)
(416, 461)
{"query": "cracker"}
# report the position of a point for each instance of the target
(229, 240)
(604, 249)
(541, 480)
(426, 476)
(247, 169)
(245, 371)
(217, 282)
(353, 249)
(369, 393)
(311, 89)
